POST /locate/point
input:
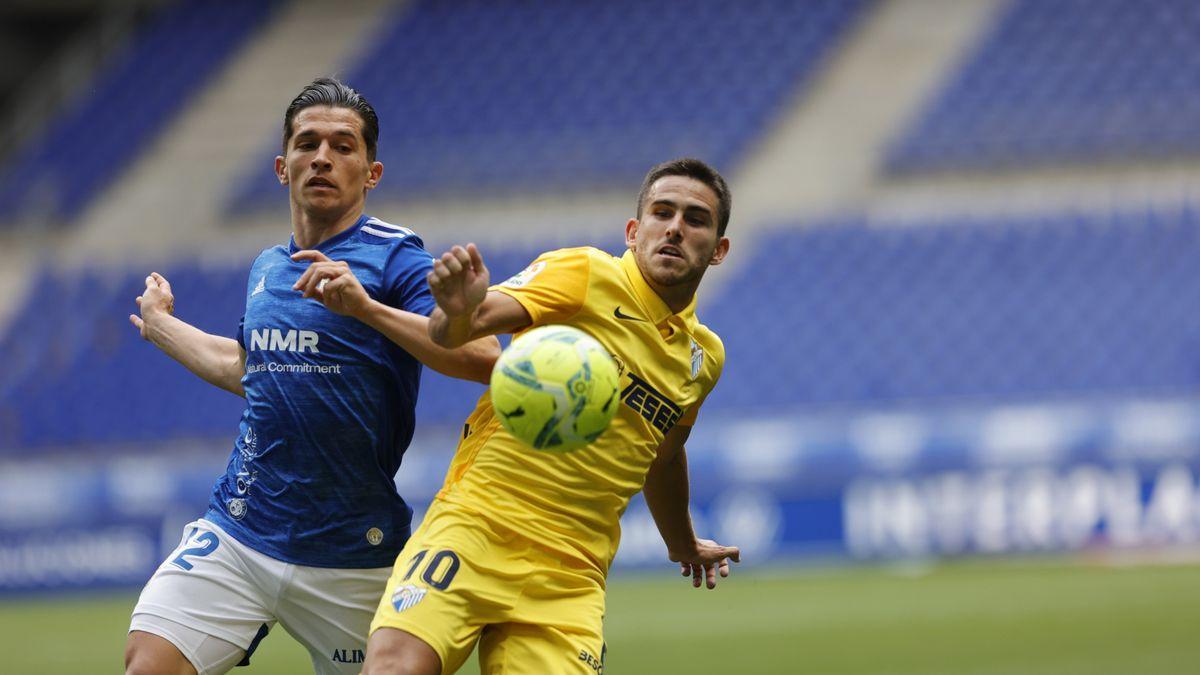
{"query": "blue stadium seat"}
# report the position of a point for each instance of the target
(1061, 81)
(489, 95)
(136, 94)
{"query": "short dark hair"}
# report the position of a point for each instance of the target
(330, 92)
(692, 168)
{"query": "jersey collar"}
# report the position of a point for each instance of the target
(333, 241)
(655, 308)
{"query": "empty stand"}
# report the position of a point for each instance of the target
(1061, 81)
(870, 313)
(133, 99)
(475, 96)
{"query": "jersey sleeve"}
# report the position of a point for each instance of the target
(241, 332)
(553, 287)
(715, 355)
(404, 283)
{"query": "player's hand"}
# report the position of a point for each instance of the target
(707, 561)
(154, 303)
(459, 280)
(331, 283)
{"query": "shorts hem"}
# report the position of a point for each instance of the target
(420, 633)
(189, 621)
(159, 631)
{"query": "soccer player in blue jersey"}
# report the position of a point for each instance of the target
(305, 524)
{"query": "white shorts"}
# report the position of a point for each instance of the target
(213, 586)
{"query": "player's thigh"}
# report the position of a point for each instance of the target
(149, 653)
(329, 611)
(453, 577)
(213, 586)
(529, 649)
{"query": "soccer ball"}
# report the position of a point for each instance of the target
(555, 388)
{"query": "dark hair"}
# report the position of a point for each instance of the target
(692, 168)
(330, 92)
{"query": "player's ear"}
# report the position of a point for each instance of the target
(281, 169)
(631, 229)
(720, 252)
(375, 174)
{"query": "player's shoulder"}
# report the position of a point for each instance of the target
(708, 340)
(271, 255)
(377, 232)
(585, 253)
(589, 259)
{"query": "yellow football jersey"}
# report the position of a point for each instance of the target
(571, 503)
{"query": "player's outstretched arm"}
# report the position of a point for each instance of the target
(465, 309)
(333, 284)
(666, 493)
(220, 361)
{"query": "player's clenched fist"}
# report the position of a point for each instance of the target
(459, 280)
(332, 284)
(155, 302)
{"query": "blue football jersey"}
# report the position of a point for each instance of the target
(329, 409)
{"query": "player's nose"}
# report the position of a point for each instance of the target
(322, 157)
(675, 227)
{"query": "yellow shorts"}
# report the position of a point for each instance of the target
(462, 579)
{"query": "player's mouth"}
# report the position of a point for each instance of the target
(320, 183)
(669, 251)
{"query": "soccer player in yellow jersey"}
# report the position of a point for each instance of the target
(514, 551)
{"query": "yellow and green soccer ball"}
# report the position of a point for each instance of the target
(555, 388)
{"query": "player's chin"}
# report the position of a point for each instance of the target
(324, 204)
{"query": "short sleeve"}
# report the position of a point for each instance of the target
(713, 364)
(241, 332)
(404, 278)
(553, 287)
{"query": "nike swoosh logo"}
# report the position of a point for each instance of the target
(621, 315)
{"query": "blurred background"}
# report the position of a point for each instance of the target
(959, 424)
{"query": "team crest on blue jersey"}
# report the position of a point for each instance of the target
(697, 358)
(237, 508)
(249, 445)
(407, 596)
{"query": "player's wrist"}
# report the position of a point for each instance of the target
(684, 551)
(365, 311)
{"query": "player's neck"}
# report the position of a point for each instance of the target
(676, 297)
(310, 229)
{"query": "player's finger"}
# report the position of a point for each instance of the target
(733, 553)
(443, 271)
(311, 255)
(684, 569)
(316, 281)
(136, 321)
(697, 575)
(304, 277)
(435, 283)
(317, 273)
(463, 257)
(476, 257)
(723, 568)
(710, 576)
(150, 282)
(452, 262)
(138, 301)
(162, 281)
